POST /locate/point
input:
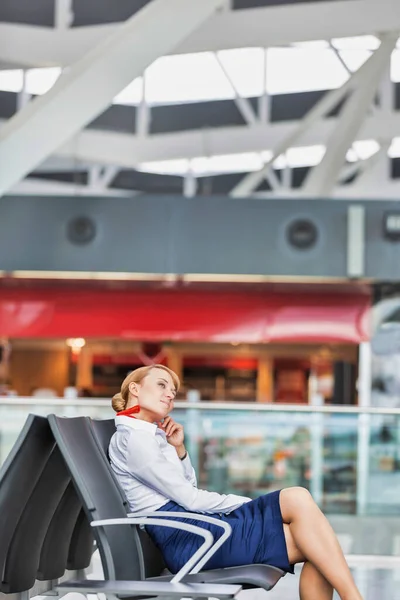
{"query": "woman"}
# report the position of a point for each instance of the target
(282, 528)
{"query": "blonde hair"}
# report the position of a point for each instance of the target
(121, 399)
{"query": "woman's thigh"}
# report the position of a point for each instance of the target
(294, 554)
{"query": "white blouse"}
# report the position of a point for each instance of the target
(151, 473)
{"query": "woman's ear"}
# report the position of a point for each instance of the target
(133, 388)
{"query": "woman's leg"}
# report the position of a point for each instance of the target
(313, 585)
(316, 541)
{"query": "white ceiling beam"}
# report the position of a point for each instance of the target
(44, 187)
(88, 87)
(381, 190)
(128, 151)
(327, 103)
(322, 178)
(25, 45)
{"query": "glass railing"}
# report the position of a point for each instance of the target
(349, 458)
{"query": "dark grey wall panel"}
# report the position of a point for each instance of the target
(171, 234)
(31, 12)
(95, 12)
(132, 235)
(8, 104)
(226, 235)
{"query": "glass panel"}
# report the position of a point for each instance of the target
(383, 488)
(13, 417)
(350, 462)
(256, 452)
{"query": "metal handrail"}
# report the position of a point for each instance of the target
(205, 405)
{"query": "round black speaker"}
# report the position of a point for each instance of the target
(81, 230)
(302, 234)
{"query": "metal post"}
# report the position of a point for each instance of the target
(364, 421)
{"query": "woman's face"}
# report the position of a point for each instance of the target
(155, 395)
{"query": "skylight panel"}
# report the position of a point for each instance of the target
(186, 78)
(11, 80)
(305, 156)
(229, 163)
(361, 42)
(394, 150)
(245, 67)
(362, 150)
(354, 59)
(39, 81)
(178, 166)
(311, 45)
(132, 94)
(395, 66)
(302, 156)
(297, 70)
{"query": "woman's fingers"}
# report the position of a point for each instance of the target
(170, 427)
(171, 430)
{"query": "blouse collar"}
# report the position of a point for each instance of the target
(136, 424)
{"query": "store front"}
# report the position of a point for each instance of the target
(247, 344)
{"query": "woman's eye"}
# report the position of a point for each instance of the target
(162, 384)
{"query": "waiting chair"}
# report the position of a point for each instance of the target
(19, 475)
(34, 484)
(126, 556)
(115, 533)
(68, 543)
(248, 576)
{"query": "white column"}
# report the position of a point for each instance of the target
(89, 86)
(143, 112)
(23, 97)
(63, 14)
(364, 400)
(355, 241)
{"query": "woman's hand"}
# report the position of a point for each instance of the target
(174, 433)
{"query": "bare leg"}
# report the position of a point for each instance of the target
(313, 585)
(316, 540)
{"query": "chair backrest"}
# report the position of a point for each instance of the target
(18, 477)
(82, 544)
(100, 497)
(23, 555)
(57, 544)
(151, 556)
(103, 429)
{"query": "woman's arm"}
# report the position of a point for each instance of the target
(147, 463)
(176, 438)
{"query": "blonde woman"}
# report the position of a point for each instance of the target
(281, 528)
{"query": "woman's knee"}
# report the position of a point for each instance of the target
(294, 500)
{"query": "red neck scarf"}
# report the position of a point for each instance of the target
(129, 412)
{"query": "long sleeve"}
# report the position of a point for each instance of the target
(147, 464)
(188, 471)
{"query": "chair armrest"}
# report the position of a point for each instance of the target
(207, 535)
(196, 517)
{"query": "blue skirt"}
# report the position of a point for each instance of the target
(257, 537)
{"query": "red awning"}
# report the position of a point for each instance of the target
(185, 315)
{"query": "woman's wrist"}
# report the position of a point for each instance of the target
(181, 452)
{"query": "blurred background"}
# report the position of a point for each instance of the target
(213, 186)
